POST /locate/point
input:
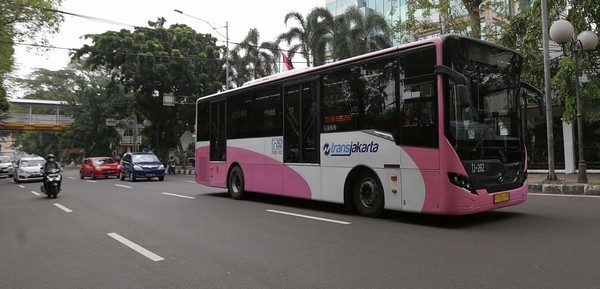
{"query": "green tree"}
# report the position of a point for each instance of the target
(94, 102)
(524, 33)
(41, 143)
(310, 37)
(146, 60)
(357, 34)
(447, 16)
(20, 21)
(253, 59)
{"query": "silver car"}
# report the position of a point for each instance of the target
(6, 167)
(28, 169)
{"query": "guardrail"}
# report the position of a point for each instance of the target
(33, 119)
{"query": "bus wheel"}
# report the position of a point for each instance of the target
(368, 195)
(236, 183)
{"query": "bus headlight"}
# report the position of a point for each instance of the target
(461, 182)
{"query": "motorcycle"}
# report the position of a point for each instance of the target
(171, 168)
(51, 185)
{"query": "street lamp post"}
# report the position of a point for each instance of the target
(226, 42)
(562, 32)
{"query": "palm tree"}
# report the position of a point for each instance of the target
(357, 34)
(252, 60)
(312, 35)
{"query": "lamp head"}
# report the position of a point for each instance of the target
(588, 40)
(562, 31)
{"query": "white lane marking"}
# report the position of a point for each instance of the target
(21, 186)
(309, 217)
(36, 193)
(90, 181)
(72, 178)
(563, 195)
(63, 208)
(123, 186)
(136, 247)
(176, 195)
(191, 182)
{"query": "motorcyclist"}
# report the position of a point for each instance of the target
(49, 165)
(171, 161)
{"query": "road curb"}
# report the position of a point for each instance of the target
(185, 172)
(565, 189)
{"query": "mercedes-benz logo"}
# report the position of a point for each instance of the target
(500, 178)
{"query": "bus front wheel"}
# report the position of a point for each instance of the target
(368, 195)
(236, 183)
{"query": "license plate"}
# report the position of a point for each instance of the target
(149, 175)
(109, 172)
(501, 197)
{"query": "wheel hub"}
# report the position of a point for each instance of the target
(368, 193)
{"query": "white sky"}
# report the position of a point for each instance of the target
(242, 15)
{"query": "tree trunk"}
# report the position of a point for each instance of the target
(474, 16)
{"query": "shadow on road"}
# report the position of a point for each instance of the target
(452, 222)
(449, 222)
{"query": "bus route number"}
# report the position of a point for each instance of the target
(329, 127)
(478, 168)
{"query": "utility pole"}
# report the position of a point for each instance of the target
(226, 41)
(548, 92)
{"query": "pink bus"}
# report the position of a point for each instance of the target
(433, 126)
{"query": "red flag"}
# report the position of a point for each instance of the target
(287, 64)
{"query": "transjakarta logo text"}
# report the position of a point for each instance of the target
(347, 149)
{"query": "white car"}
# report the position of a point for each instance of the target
(6, 167)
(28, 169)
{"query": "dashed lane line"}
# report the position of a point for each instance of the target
(63, 208)
(123, 186)
(309, 217)
(176, 195)
(136, 247)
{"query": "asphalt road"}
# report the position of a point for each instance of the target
(177, 234)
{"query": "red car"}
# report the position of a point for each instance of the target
(97, 167)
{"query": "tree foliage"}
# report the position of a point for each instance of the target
(347, 35)
(311, 35)
(20, 21)
(525, 34)
(154, 59)
(357, 34)
(254, 59)
(458, 17)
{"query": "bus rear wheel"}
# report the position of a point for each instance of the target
(368, 195)
(235, 183)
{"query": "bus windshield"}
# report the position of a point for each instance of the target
(490, 127)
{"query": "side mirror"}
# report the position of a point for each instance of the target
(462, 88)
(463, 95)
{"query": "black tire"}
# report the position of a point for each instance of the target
(121, 176)
(131, 177)
(81, 175)
(235, 183)
(93, 176)
(368, 195)
(53, 191)
(161, 178)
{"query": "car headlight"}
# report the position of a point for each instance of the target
(97, 168)
(136, 167)
(161, 167)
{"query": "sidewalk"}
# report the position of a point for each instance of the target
(566, 184)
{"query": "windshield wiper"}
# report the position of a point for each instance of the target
(481, 138)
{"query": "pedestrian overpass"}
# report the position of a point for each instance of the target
(35, 114)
